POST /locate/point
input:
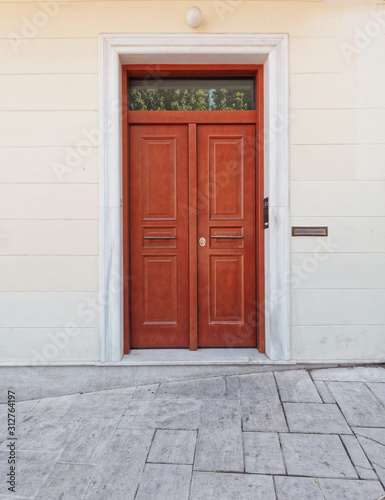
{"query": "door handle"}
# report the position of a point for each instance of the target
(232, 237)
(202, 242)
(159, 237)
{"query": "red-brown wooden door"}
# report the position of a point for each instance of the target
(159, 236)
(159, 246)
(226, 222)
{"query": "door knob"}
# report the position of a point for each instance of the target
(202, 242)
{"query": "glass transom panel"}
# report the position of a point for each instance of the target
(191, 94)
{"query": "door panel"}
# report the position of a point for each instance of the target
(158, 236)
(226, 184)
(158, 178)
(160, 308)
(226, 289)
(226, 219)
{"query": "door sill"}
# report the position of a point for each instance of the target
(217, 356)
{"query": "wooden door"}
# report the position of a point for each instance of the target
(159, 235)
(226, 222)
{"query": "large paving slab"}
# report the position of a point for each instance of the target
(259, 387)
(66, 482)
(94, 405)
(219, 445)
(301, 488)
(119, 473)
(358, 404)
(261, 408)
(46, 434)
(263, 453)
(26, 406)
(373, 442)
(315, 418)
(378, 389)
(90, 442)
(351, 490)
(146, 391)
(210, 388)
(260, 417)
(165, 481)
(297, 488)
(296, 386)
(32, 470)
(233, 388)
(355, 374)
(316, 455)
(217, 486)
(358, 457)
(54, 406)
(158, 414)
(173, 447)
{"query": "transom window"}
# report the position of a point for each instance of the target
(191, 94)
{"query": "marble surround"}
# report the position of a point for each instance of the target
(268, 49)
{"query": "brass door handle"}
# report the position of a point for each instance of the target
(202, 242)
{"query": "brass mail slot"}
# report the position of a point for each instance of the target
(159, 237)
(227, 237)
(309, 231)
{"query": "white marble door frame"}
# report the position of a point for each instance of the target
(268, 49)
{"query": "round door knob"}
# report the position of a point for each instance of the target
(202, 242)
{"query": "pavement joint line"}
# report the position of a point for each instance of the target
(283, 410)
(368, 459)
(367, 385)
(283, 456)
(369, 439)
(350, 458)
(275, 486)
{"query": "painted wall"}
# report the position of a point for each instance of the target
(49, 167)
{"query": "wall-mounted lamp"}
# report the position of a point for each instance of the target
(194, 17)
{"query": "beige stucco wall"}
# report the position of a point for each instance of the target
(49, 167)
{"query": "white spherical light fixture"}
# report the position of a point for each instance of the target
(194, 17)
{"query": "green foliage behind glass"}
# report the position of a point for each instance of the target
(190, 100)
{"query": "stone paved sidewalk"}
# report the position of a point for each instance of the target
(264, 436)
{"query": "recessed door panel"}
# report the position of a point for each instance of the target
(226, 223)
(226, 177)
(159, 178)
(160, 273)
(159, 249)
(226, 289)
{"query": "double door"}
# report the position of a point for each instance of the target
(192, 247)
